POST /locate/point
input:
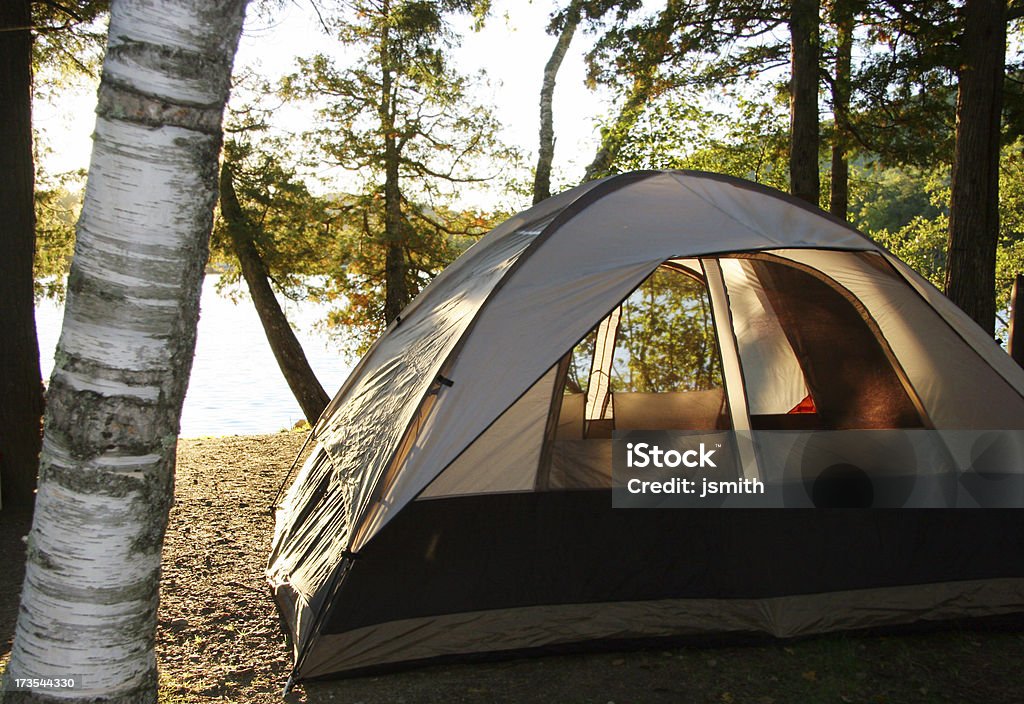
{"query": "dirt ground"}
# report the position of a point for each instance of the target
(219, 639)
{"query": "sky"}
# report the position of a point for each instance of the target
(512, 49)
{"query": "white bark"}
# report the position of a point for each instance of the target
(106, 472)
(546, 154)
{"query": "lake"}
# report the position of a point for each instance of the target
(236, 387)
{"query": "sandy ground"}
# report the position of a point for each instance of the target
(219, 639)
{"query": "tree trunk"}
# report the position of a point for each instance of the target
(21, 388)
(89, 599)
(803, 101)
(546, 154)
(640, 93)
(839, 198)
(396, 269)
(974, 202)
(287, 351)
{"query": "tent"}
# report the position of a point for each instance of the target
(458, 497)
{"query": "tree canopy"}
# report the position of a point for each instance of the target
(369, 203)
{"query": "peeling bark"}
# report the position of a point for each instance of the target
(286, 348)
(106, 477)
(546, 153)
(974, 200)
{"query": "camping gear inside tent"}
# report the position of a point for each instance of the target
(458, 497)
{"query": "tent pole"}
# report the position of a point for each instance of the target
(732, 372)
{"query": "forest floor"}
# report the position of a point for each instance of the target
(218, 636)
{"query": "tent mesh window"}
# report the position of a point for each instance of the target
(653, 363)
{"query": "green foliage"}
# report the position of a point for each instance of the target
(69, 39)
(401, 121)
(1010, 255)
(710, 44)
(666, 339)
(68, 42)
(921, 243)
(294, 229)
(58, 202)
(356, 279)
(329, 247)
(905, 85)
(416, 98)
(748, 140)
(889, 198)
(1011, 191)
(922, 240)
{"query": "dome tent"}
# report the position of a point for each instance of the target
(458, 497)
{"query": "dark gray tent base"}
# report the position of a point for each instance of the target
(1008, 623)
(551, 569)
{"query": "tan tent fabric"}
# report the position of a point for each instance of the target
(963, 325)
(599, 384)
(673, 217)
(363, 431)
(735, 388)
(958, 388)
(504, 458)
(549, 625)
(772, 374)
(462, 405)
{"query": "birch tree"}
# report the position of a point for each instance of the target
(546, 153)
(90, 593)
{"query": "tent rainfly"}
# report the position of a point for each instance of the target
(458, 498)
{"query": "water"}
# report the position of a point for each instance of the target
(236, 387)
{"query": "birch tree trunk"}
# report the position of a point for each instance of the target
(974, 201)
(89, 600)
(546, 153)
(804, 180)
